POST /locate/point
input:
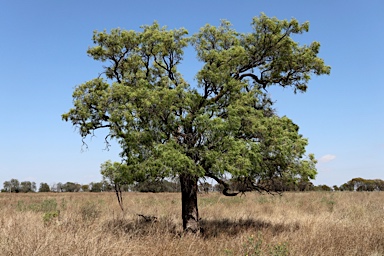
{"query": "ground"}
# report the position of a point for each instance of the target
(313, 223)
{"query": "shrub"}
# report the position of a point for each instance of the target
(89, 211)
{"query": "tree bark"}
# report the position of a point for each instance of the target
(190, 213)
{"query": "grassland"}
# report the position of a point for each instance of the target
(316, 223)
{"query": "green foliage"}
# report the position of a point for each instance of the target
(27, 186)
(155, 186)
(254, 247)
(12, 186)
(96, 186)
(360, 184)
(47, 205)
(85, 188)
(322, 188)
(116, 173)
(70, 187)
(15, 186)
(280, 249)
(48, 217)
(224, 124)
(44, 187)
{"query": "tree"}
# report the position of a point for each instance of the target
(6, 186)
(218, 187)
(117, 175)
(305, 185)
(360, 184)
(27, 186)
(380, 184)
(322, 188)
(85, 188)
(96, 186)
(44, 187)
(59, 187)
(11, 186)
(70, 187)
(222, 126)
(205, 187)
(346, 187)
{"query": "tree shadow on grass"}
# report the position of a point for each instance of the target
(209, 228)
(227, 227)
(140, 227)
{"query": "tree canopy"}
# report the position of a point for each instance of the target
(221, 125)
(44, 187)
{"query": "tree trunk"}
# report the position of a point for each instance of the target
(190, 213)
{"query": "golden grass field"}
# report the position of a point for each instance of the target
(313, 223)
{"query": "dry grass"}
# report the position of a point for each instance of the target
(316, 223)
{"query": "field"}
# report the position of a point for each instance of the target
(315, 223)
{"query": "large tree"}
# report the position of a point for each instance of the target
(221, 126)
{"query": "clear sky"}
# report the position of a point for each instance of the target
(43, 57)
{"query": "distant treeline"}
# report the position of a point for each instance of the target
(15, 186)
(356, 184)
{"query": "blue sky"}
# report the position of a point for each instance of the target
(43, 57)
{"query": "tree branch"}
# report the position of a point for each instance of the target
(223, 183)
(254, 77)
